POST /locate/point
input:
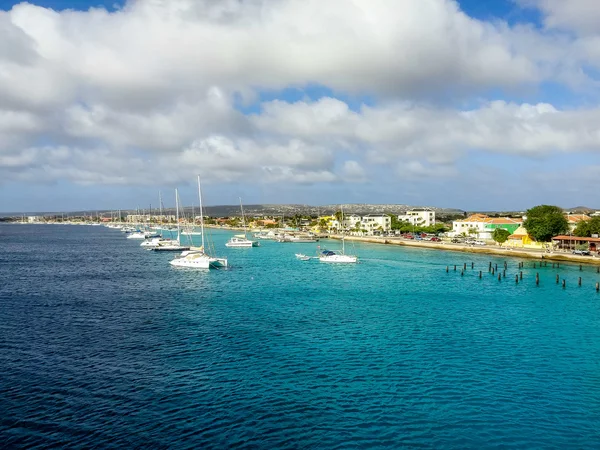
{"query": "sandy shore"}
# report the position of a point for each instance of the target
(488, 249)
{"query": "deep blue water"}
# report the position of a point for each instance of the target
(104, 344)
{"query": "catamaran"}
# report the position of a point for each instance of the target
(330, 256)
(196, 257)
(241, 240)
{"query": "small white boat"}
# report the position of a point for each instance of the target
(302, 257)
(329, 256)
(155, 242)
(340, 257)
(143, 235)
(240, 240)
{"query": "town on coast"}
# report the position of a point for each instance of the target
(543, 231)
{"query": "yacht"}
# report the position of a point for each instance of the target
(241, 240)
(197, 257)
(155, 242)
(329, 256)
(143, 235)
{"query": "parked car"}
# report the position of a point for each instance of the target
(435, 239)
(581, 252)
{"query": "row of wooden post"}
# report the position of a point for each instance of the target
(519, 277)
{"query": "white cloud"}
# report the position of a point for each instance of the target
(582, 16)
(147, 94)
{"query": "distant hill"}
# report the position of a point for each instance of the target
(263, 210)
(581, 209)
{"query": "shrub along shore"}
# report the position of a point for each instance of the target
(490, 250)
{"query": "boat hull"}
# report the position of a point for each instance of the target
(339, 259)
(199, 262)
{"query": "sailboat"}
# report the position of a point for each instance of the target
(172, 245)
(241, 240)
(196, 257)
(330, 256)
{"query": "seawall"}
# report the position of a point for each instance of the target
(489, 250)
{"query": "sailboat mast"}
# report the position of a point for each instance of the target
(342, 228)
(177, 213)
(201, 213)
(160, 207)
(243, 220)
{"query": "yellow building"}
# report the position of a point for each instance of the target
(521, 239)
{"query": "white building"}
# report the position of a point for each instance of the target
(372, 222)
(482, 227)
(351, 221)
(33, 219)
(419, 217)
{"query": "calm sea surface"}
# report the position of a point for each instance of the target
(104, 344)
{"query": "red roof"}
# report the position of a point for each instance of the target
(563, 237)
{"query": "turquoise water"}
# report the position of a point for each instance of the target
(105, 344)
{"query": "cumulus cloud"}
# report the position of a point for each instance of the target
(150, 93)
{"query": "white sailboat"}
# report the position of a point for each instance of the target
(197, 258)
(241, 240)
(329, 256)
(173, 245)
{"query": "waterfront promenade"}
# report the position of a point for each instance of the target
(487, 249)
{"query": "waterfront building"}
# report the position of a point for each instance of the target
(482, 226)
(421, 217)
(373, 222)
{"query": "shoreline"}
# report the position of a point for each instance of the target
(497, 251)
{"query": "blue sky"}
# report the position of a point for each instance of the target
(475, 105)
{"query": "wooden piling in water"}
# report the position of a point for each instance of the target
(579, 282)
(480, 273)
(499, 276)
(537, 279)
(490, 267)
(472, 265)
(455, 267)
(597, 286)
(504, 273)
(462, 272)
(447, 269)
(517, 279)
(556, 278)
(465, 266)
(521, 275)
(496, 267)
(492, 271)
(505, 265)
(564, 283)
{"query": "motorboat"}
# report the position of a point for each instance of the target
(240, 240)
(329, 256)
(302, 257)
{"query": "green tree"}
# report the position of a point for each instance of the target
(586, 228)
(544, 222)
(500, 235)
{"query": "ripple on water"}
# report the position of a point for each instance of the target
(103, 344)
